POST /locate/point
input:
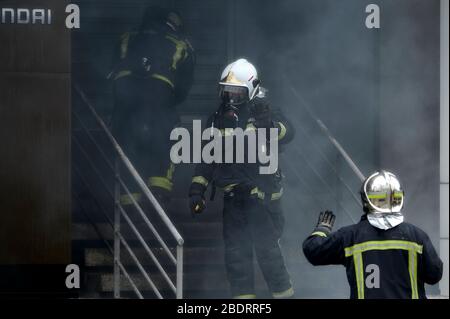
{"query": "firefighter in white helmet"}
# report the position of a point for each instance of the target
(252, 216)
(384, 256)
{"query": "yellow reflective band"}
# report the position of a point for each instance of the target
(229, 187)
(180, 48)
(247, 296)
(227, 131)
(200, 180)
(383, 245)
(124, 73)
(250, 127)
(163, 78)
(277, 196)
(319, 233)
(256, 191)
(385, 195)
(127, 199)
(412, 267)
(376, 196)
(398, 195)
(170, 171)
(160, 181)
(412, 248)
(124, 45)
(283, 131)
(121, 74)
(359, 274)
(284, 294)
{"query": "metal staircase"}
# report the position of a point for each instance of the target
(317, 179)
(121, 215)
(204, 274)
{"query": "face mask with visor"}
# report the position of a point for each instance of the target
(233, 95)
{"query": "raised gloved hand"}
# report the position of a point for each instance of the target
(197, 203)
(262, 113)
(326, 222)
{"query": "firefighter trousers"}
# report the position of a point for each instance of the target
(248, 228)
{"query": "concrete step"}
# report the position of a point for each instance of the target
(213, 255)
(98, 257)
(177, 210)
(206, 282)
(189, 231)
(205, 273)
(187, 294)
(211, 282)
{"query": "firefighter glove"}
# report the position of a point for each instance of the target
(326, 222)
(197, 203)
(262, 113)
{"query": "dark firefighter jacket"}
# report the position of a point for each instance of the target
(227, 175)
(392, 264)
(156, 54)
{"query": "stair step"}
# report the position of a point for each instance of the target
(187, 294)
(313, 282)
(80, 244)
(177, 211)
(191, 256)
(189, 231)
(212, 280)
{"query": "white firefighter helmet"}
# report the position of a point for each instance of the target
(239, 82)
(382, 193)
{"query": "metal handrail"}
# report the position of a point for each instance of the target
(305, 185)
(140, 238)
(141, 268)
(147, 248)
(148, 223)
(134, 202)
(327, 133)
(108, 246)
(102, 209)
(132, 170)
(120, 211)
(308, 137)
(96, 229)
(325, 183)
(130, 280)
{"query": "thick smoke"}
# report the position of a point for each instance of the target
(376, 90)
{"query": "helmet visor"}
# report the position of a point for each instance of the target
(233, 95)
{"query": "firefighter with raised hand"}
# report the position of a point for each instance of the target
(252, 218)
(152, 73)
(384, 256)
